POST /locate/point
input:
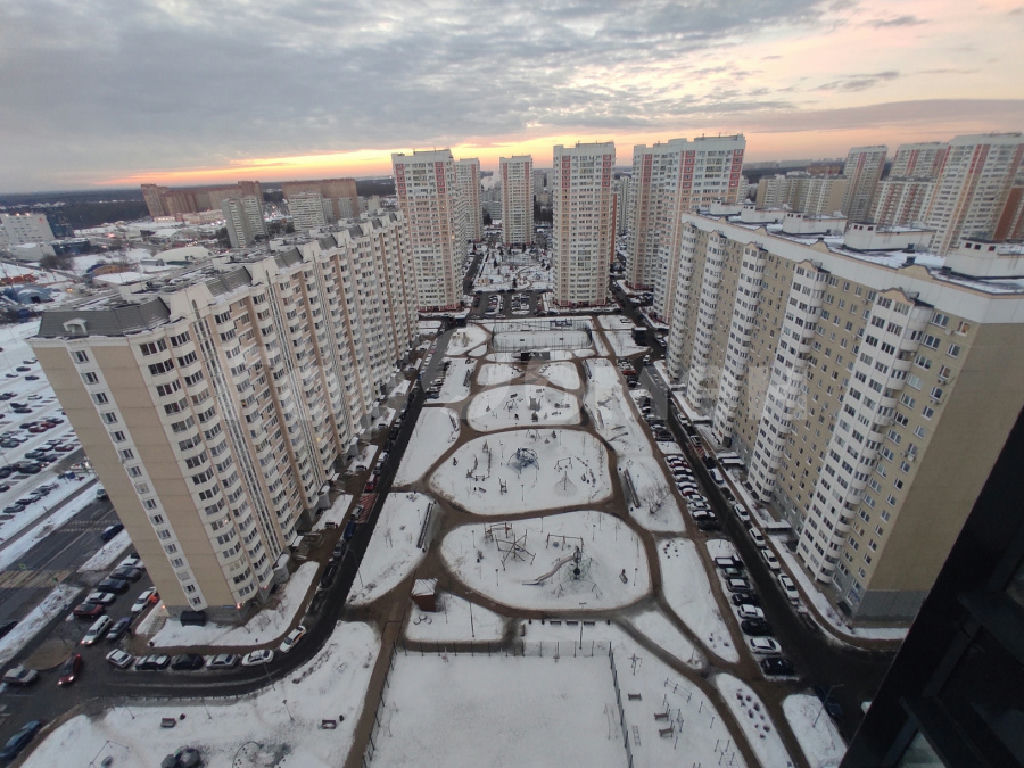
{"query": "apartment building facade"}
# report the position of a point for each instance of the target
(243, 219)
(583, 230)
(23, 228)
(670, 179)
(342, 201)
(428, 196)
(471, 217)
(868, 400)
(516, 174)
(309, 210)
(215, 407)
(803, 193)
(973, 187)
(862, 169)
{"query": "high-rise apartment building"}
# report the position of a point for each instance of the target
(669, 179)
(429, 197)
(622, 189)
(215, 406)
(815, 195)
(471, 217)
(868, 401)
(516, 175)
(177, 201)
(901, 202)
(863, 169)
(583, 232)
(22, 228)
(340, 194)
(973, 187)
(309, 210)
(243, 218)
(920, 160)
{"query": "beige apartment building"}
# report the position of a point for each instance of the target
(803, 193)
(428, 195)
(868, 391)
(862, 169)
(217, 404)
(669, 179)
(516, 174)
(471, 216)
(583, 230)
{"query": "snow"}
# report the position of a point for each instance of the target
(57, 518)
(817, 735)
(401, 388)
(59, 599)
(429, 327)
(753, 718)
(451, 622)
(571, 469)
(612, 412)
(511, 406)
(497, 373)
(657, 628)
(657, 509)
(562, 375)
(289, 712)
(336, 514)
(456, 381)
(263, 628)
(688, 593)
(539, 574)
(464, 339)
(528, 340)
(108, 554)
(478, 351)
(436, 430)
(392, 554)
(365, 456)
(619, 332)
(508, 711)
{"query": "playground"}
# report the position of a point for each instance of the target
(522, 406)
(525, 470)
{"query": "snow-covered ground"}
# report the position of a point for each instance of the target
(619, 332)
(51, 522)
(654, 506)
(688, 592)
(818, 736)
(531, 563)
(263, 628)
(757, 726)
(536, 468)
(285, 714)
(336, 514)
(515, 406)
(530, 340)
(436, 430)
(656, 627)
(497, 373)
(508, 711)
(562, 375)
(59, 599)
(464, 339)
(108, 554)
(612, 412)
(456, 381)
(456, 620)
(392, 553)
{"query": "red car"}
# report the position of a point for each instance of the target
(89, 610)
(70, 670)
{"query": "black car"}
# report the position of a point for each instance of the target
(7, 626)
(755, 627)
(117, 586)
(127, 573)
(328, 575)
(153, 661)
(777, 666)
(111, 531)
(188, 661)
(117, 631)
(20, 740)
(751, 599)
(832, 707)
(15, 508)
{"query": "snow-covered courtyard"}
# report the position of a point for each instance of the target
(522, 406)
(525, 470)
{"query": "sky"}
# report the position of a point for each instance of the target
(102, 93)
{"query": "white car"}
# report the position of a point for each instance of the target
(789, 588)
(120, 659)
(748, 611)
(255, 658)
(97, 630)
(292, 639)
(764, 645)
(103, 598)
(144, 600)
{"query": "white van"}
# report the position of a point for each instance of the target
(97, 630)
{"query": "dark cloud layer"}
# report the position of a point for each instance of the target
(100, 88)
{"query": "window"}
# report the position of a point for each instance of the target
(932, 342)
(110, 417)
(936, 393)
(928, 412)
(81, 357)
(90, 378)
(954, 350)
(151, 348)
(127, 454)
(135, 471)
(151, 504)
(100, 398)
(118, 436)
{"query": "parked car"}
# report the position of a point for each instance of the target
(71, 670)
(7, 626)
(255, 658)
(223, 661)
(121, 626)
(111, 531)
(20, 740)
(20, 676)
(188, 661)
(738, 585)
(145, 599)
(126, 573)
(764, 645)
(777, 666)
(292, 639)
(15, 508)
(153, 661)
(101, 494)
(741, 598)
(789, 589)
(755, 627)
(120, 586)
(120, 659)
(98, 629)
(103, 598)
(757, 537)
(731, 561)
(89, 610)
(748, 611)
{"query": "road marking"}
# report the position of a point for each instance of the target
(30, 579)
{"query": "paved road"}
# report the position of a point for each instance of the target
(856, 673)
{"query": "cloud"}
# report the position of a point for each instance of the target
(897, 21)
(858, 82)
